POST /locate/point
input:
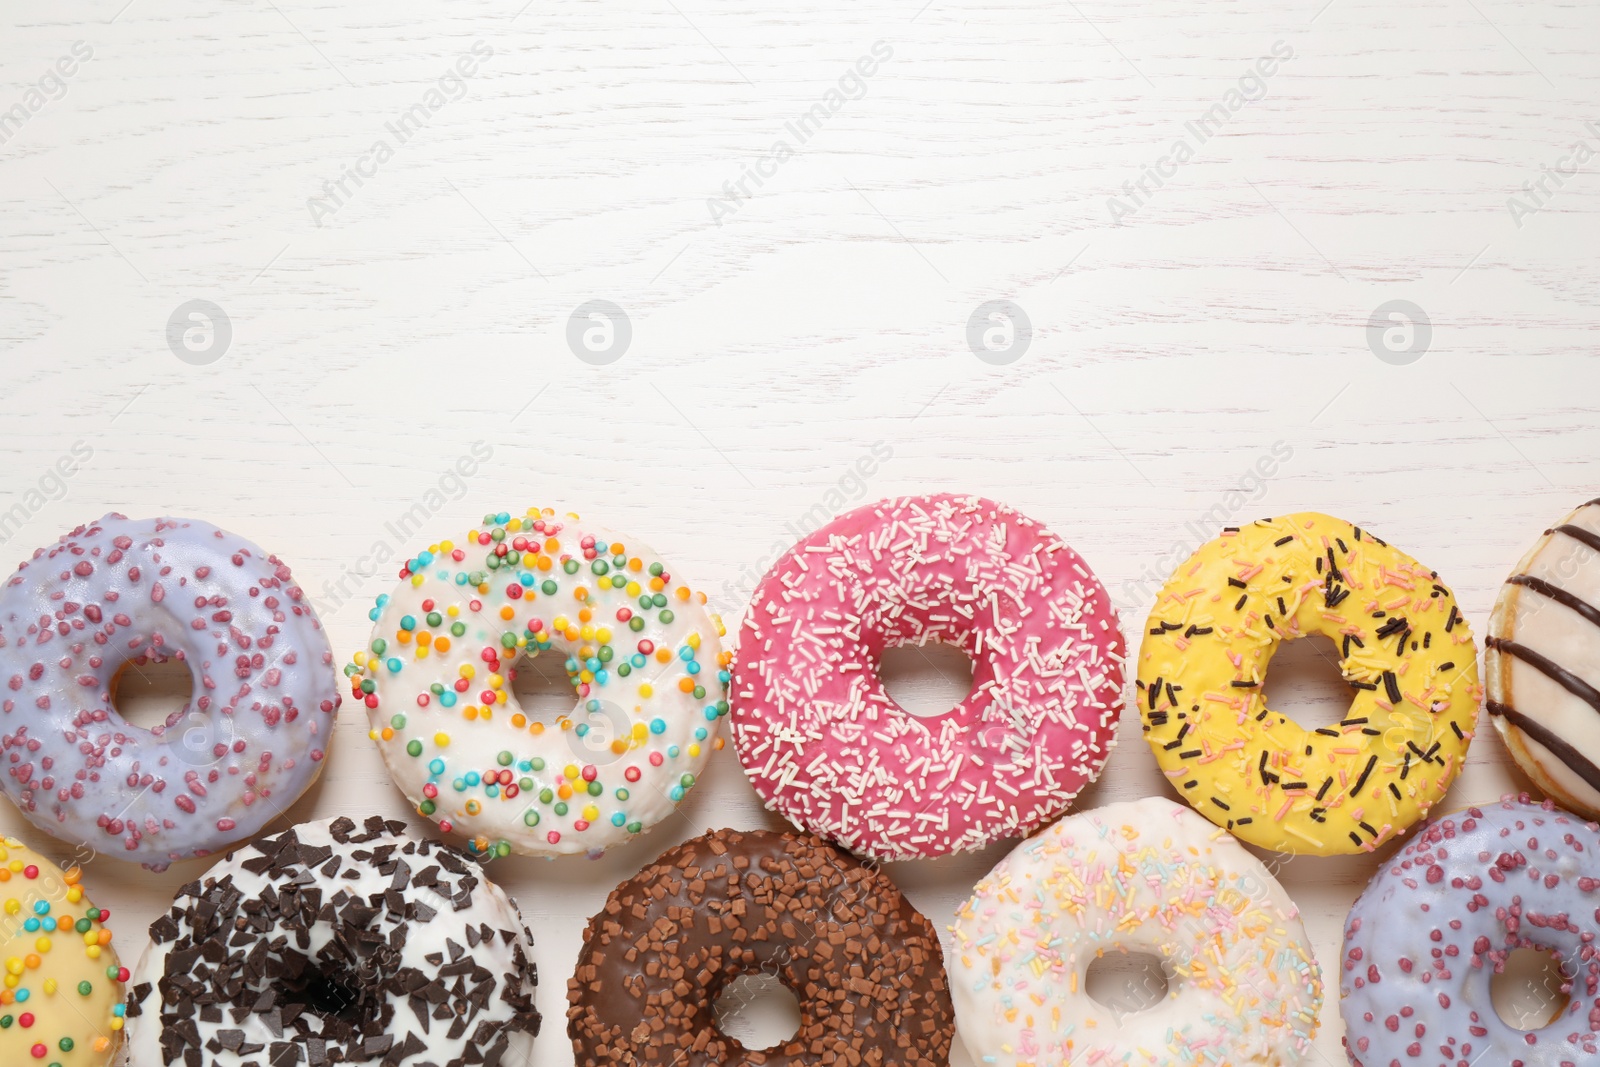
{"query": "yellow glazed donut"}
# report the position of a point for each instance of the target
(61, 1003)
(1403, 645)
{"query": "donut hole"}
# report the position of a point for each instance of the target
(1127, 982)
(151, 693)
(758, 1011)
(595, 730)
(926, 680)
(329, 989)
(542, 688)
(325, 995)
(1304, 683)
(1528, 993)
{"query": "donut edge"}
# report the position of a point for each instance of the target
(1497, 678)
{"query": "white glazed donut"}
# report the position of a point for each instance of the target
(1541, 662)
(337, 943)
(1146, 876)
(643, 654)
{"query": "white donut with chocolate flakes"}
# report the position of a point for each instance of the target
(332, 943)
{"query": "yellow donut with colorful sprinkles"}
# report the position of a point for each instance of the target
(61, 1001)
(1404, 648)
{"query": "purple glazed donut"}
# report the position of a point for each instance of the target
(1432, 928)
(250, 740)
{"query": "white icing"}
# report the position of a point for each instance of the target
(489, 905)
(1562, 635)
(1150, 876)
(667, 734)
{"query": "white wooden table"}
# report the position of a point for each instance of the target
(398, 207)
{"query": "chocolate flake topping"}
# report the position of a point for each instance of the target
(324, 970)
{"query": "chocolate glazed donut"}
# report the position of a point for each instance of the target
(864, 964)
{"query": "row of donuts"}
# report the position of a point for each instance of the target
(345, 942)
(959, 570)
(818, 735)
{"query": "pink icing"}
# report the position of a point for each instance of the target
(824, 743)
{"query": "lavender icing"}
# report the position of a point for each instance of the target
(252, 736)
(1431, 929)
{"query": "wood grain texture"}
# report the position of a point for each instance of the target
(774, 345)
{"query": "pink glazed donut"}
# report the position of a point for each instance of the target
(826, 746)
(250, 740)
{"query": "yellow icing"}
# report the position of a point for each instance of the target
(1345, 788)
(46, 1018)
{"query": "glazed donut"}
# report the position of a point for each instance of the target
(642, 652)
(61, 1000)
(1404, 648)
(827, 747)
(1542, 662)
(1440, 919)
(333, 943)
(1149, 875)
(247, 744)
(865, 966)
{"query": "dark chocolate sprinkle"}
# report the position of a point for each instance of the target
(231, 957)
(865, 965)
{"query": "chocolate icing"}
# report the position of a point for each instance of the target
(864, 964)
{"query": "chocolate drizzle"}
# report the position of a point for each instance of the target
(1547, 723)
(1590, 613)
(322, 965)
(865, 965)
(1578, 533)
(1549, 668)
(1576, 761)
